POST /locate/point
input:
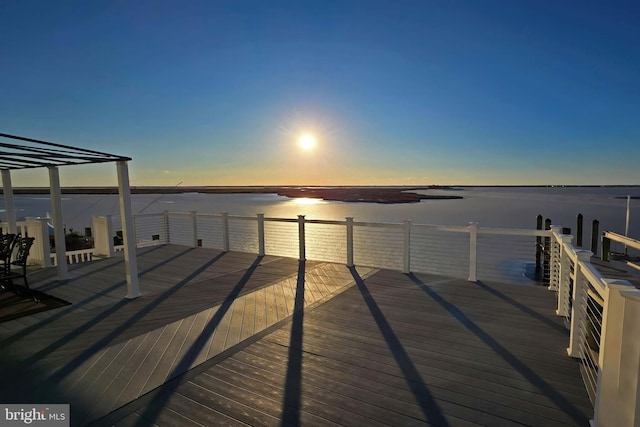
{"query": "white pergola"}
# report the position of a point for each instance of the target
(17, 152)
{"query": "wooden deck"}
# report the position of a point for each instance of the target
(231, 339)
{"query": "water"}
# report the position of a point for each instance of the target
(509, 207)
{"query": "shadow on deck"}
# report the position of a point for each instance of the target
(231, 339)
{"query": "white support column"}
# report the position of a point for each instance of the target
(564, 276)
(225, 232)
(473, 251)
(406, 253)
(128, 235)
(579, 305)
(194, 229)
(301, 238)
(40, 253)
(9, 204)
(617, 401)
(261, 250)
(349, 241)
(58, 226)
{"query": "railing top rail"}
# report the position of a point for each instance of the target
(281, 219)
(515, 231)
(243, 218)
(594, 277)
(325, 221)
(452, 228)
(147, 215)
(175, 213)
(633, 243)
(208, 214)
(378, 224)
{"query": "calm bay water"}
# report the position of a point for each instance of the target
(512, 207)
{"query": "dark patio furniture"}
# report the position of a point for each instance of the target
(9, 274)
(7, 244)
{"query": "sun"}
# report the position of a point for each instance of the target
(307, 141)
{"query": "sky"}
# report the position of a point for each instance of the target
(393, 92)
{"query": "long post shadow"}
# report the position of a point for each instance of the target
(106, 340)
(83, 328)
(544, 387)
(293, 383)
(524, 308)
(424, 398)
(153, 410)
(102, 343)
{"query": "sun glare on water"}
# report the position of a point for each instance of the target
(306, 201)
(307, 141)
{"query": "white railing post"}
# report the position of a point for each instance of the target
(165, 216)
(406, 253)
(554, 258)
(564, 276)
(579, 305)
(194, 229)
(349, 241)
(225, 232)
(40, 253)
(103, 236)
(473, 251)
(261, 250)
(301, 241)
(617, 402)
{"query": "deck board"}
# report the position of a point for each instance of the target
(370, 347)
(390, 351)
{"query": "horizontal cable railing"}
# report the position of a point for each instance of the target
(151, 229)
(508, 255)
(326, 241)
(209, 227)
(378, 245)
(243, 234)
(281, 237)
(181, 225)
(440, 250)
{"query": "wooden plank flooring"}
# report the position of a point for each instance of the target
(395, 349)
(103, 358)
(234, 339)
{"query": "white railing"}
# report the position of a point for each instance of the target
(621, 247)
(603, 316)
(75, 257)
(459, 251)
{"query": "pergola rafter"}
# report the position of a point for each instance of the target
(33, 153)
(37, 153)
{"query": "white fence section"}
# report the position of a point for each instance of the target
(472, 251)
(603, 316)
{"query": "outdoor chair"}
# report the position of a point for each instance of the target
(7, 243)
(9, 274)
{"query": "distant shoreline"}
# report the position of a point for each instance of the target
(353, 194)
(341, 194)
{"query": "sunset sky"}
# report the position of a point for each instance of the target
(393, 92)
